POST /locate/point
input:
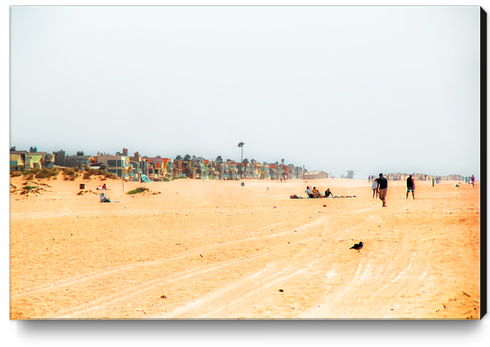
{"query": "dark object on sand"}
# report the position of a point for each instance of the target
(358, 246)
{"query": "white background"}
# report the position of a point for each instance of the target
(216, 333)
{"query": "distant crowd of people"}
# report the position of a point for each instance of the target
(379, 187)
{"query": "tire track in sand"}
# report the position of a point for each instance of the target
(134, 291)
(130, 292)
(238, 291)
(107, 272)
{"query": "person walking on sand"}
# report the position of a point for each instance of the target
(374, 187)
(382, 188)
(410, 186)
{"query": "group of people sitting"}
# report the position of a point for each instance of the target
(104, 187)
(315, 193)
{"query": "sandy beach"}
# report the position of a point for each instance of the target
(217, 249)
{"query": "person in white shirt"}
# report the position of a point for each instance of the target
(374, 187)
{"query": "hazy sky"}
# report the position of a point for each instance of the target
(369, 89)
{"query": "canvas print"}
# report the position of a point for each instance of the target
(245, 162)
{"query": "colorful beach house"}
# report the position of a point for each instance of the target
(24, 158)
(178, 168)
(229, 170)
(36, 161)
(167, 168)
(47, 158)
(159, 168)
(154, 166)
(250, 171)
(262, 171)
(137, 167)
(16, 162)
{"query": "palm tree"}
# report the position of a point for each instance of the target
(241, 158)
(241, 146)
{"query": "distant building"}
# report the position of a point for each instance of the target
(16, 162)
(315, 175)
(36, 160)
(137, 167)
(116, 164)
(80, 160)
(23, 163)
(47, 158)
(60, 158)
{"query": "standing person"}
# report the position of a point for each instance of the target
(374, 187)
(473, 181)
(432, 184)
(410, 186)
(382, 188)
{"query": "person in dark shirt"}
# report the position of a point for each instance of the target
(328, 193)
(410, 186)
(382, 188)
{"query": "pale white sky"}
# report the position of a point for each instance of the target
(369, 89)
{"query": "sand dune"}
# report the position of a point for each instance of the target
(216, 249)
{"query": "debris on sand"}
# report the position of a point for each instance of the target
(143, 190)
(13, 189)
(33, 190)
(83, 192)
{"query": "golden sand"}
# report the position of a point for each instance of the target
(216, 249)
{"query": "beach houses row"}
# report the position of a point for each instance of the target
(138, 168)
(32, 159)
(422, 177)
